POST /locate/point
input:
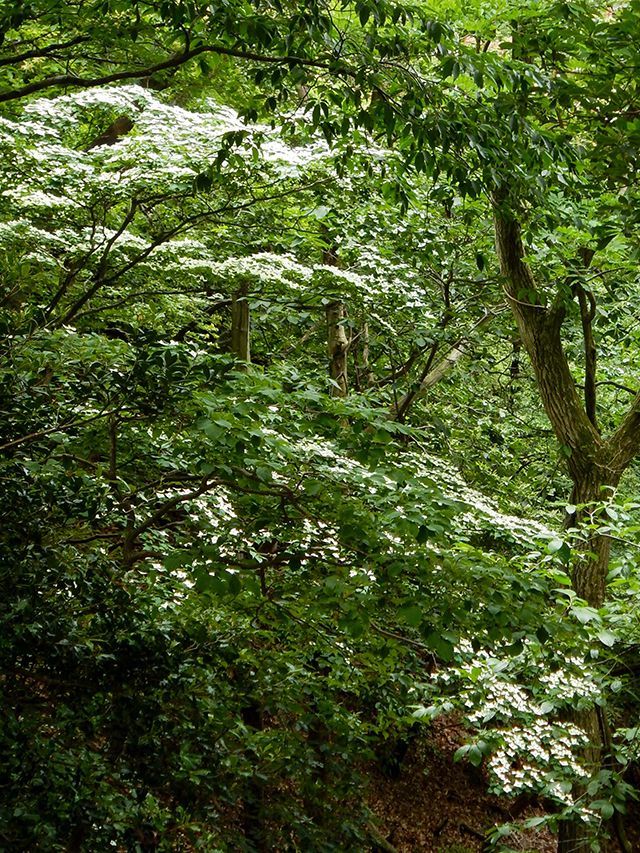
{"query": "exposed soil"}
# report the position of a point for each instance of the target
(438, 806)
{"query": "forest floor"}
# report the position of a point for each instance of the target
(438, 806)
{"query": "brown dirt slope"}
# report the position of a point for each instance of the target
(438, 806)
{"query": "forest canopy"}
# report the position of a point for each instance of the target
(320, 424)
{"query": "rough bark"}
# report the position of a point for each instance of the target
(540, 331)
(337, 348)
(591, 564)
(587, 314)
(595, 464)
(624, 444)
(514, 370)
(120, 127)
(574, 836)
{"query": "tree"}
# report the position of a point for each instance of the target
(330, 541)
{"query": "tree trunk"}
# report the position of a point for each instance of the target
(591, 565)
(337, 347)
(241, 326)
(595, 464)
(514, 370)
(589, 574)
(575, 836)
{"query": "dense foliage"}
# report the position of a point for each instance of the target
(293, 459)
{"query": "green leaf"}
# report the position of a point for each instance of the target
(422, 535)
(554, 545)
(607, 638)
(461, 752)
(313, 487)
(585, 614)
(411, 614)
(321, 212)
(532, 822)
(207, 583)
(605, 808)
(560, 548)
(333, 583)
(447, 65)
(177, 559)
(443, 647)
(475, 756)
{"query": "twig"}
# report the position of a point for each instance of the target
(59, 428)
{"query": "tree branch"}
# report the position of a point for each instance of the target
(32, 436)
(540, 327)
(100, 279)
(36, 53)
(102, 266)
(587, 303)
(624, 444)
(431, 376)
(175, 62)
(132, 534)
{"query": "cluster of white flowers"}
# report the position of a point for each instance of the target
(566, 685)
(502, 699)
(320, 540)
(436, 477)
(535, 751)
(266, 268)
(540, 757)
(167, 140)
(168, 147)
(39, 198)
(483, 511)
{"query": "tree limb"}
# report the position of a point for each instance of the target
(587, 303)
(39, 52)
(624, 443)
(431, 376)
(32, 436)
(540, 326)
(174, 62)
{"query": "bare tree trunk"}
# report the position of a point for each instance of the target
(337, 347)
(241, 326)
